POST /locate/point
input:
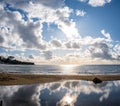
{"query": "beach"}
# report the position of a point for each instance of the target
(21, 79)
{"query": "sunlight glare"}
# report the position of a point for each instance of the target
(68, 99)
(68, 69)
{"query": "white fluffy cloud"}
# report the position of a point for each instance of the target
(22, 3)
(50, 12)
(82, 0)
(100, 50)
(59, 16)
(95, 48)
(66, 25)
(17, 32)
(96, 3)
(6, 29)
(80, 13)
(107, 35)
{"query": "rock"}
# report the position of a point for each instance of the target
(97, 80)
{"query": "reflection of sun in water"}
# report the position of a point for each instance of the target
(68, 69)
(68, 100)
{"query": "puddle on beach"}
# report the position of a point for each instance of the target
(64, 93)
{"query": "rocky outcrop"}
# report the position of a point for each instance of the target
(12, 60)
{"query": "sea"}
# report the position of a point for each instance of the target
(61, 69)
(62, 93)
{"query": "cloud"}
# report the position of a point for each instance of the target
(1, 8)
(6, 27)
(73, 45)
(116, 53)
(86, 49)
(1, 39)
(31, 56)
(46, 11)
(97, 3)
(56, 43)
(51, 3)
(107, 35)
(22, 3)
(100, 50)
(48, 55)
(59, 17)
(64, 24)
(29, 33)
(80, 13)
(16, 32)
(82, 0)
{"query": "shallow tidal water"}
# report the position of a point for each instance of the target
(61, 69)
(63, 93)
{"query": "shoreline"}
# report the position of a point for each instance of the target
(22, 79)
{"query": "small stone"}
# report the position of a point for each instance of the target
(97, 80)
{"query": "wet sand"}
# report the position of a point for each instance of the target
(20, 79)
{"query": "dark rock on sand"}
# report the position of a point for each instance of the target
(97, 80)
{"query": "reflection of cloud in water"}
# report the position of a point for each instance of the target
(21, 96)
(61, 93)
(54, 86)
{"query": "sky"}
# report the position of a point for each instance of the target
(61, 31)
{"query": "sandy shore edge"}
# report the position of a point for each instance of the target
(21, 79)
